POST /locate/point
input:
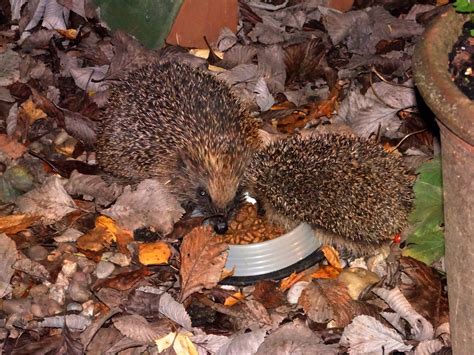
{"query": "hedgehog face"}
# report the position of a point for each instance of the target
(213, 187)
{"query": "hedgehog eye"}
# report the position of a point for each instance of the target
(202, 192)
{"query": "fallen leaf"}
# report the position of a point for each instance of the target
(203, 257)
(150, 205)
(154, 253)
(10, 148)
(326, 272)
(174, 311)
(135, 327)
(366, 335)
(8, 255)
(332, 256)
(367, 114)
(211, 342)
(421, 329)
(31, 111)
(70, 33)
(32, 268)
(233, 299)
(15, 223)
(424, 290)
(295, 338)
(268, 293)
(246, 343)
(125, 280)
(181, 344)
(289, 281)
(325, 300)
(99, 238)
(122, 236)
(93, 185)
(90, 78)
(49, 201)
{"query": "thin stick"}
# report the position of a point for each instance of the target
(404, 139)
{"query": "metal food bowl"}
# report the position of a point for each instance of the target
(273, 259)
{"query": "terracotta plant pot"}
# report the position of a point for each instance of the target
(455, 116)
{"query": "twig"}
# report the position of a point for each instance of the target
(219, 308)
(405, 138)
(381, 77)
(377, 95)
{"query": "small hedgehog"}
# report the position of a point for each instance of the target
(349, 187)
(183, 127)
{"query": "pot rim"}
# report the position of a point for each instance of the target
(430, 64)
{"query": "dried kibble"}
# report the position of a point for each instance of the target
(247, 227)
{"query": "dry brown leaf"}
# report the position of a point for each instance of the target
(31, 111)
(8, 255)
(324, 300)
(96, 239)
(268, 293)
(150, 204)
(93, 185)
(49, 201)
(203, 257)
(424, 291)
(122, 236)
(295, 338)
(154, 253)
(135, 327)
(174, 311)
(125, 280)
(332, 256)
(234, 299)
(10, 148)
(68, 34)
(289, 281)
(326, 272)
(15, 223)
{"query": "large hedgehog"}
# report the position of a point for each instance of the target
(183, 127)
(349, 187)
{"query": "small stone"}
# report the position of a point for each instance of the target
(37, 253)
(87, 266)
(120, 259)
(38, 290)
(104, 269)
(22, 305)
(74, 307)
(70, 235)
(78, 291)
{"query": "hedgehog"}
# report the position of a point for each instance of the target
(185, 128)
(349, 188)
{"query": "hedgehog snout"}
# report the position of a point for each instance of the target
(218, 222)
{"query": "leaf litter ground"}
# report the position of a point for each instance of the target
(90, 266)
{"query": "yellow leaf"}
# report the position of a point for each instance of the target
(13, 224)
(181, 343)
(289, 281)
(121, 236)
(326, 272)
(32, 112)
(204, 53)
(332, 256)
(107, 223)
(234, 299)
(69, 34)
(154, 253)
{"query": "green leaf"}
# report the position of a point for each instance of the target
(429, 196)
(426, 243)
(148, 20)
(464, 6)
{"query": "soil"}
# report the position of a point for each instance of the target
(461, 61)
